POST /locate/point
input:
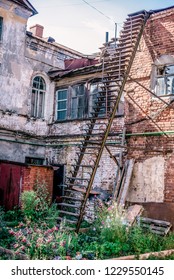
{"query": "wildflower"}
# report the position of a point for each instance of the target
(24, 240)
(62, 243)
(16, 245)
(11, 232)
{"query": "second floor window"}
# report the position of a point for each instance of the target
(165, 80)
(81, 101)
(1, 23)
(38, 97)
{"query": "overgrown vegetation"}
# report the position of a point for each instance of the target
(33, 232)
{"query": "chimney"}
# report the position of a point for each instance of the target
(107, 37)
(37, 30)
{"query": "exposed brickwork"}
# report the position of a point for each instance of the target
(40, 174)
(145, 113)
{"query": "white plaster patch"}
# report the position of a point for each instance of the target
(147, 181)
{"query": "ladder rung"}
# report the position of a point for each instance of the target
(74, 184)
(71, 198)
(67, 220)
(83, 165)
(69, 213)
(77, 178)
(68, 205)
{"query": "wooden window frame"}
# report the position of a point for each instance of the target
(163, 76)
(35, 99)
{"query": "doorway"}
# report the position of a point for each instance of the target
(58, 182)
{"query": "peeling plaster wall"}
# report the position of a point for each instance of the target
(147, 183)
(17, 152)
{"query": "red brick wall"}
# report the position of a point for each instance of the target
(157, 40)
(40, 174)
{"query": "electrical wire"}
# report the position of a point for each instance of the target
(99, 11)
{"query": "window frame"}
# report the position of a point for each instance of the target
(62, 100)
(88, 102)
(35, 98)
(164, 78)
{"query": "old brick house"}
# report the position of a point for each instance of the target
(48, 96)
(26, 97)
(149, 116)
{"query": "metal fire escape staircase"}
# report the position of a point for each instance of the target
(117, 69)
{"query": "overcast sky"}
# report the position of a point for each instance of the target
(75, 24)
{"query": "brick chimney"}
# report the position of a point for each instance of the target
(37, 30)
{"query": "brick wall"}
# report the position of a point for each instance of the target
(40, 174)
(145, 113)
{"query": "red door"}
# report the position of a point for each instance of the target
(10, 185)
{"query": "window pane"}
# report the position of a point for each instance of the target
(37, 98)
(61, 105)
(74, 108)
(160, 87)
(61, 115)
(170, 69)
(62, 94)
(170, 84)
(40, 105)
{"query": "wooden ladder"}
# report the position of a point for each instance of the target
(117, 70)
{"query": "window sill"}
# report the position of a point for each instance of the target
(83, 120)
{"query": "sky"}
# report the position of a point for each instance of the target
(75, 24)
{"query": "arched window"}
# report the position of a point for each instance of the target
(38, 97)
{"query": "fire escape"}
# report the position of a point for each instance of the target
(117, 69)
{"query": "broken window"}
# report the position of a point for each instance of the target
(165, 80)
(1, 22)
(62, 96)
(81, 100)
(93, 94)
(38, 97)
(78, 101)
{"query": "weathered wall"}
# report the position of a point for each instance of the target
(145, 114)
(19, 150)
(147, 181)
(16, 178)
(35, 175)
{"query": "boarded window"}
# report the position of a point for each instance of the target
(62, 104)
(165, 80)
(1, 23)
(38, 97)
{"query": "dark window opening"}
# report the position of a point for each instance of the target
(34, 161)
(165, 80)
(33, 46)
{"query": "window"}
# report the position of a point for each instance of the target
(94, 90)
(78, 102)
(62, 104)
(38, 97)
(165, 80)
(34, 161)
(1, 22)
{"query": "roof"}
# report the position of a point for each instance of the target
(26, 4)
(81, 66)
(151, 11)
